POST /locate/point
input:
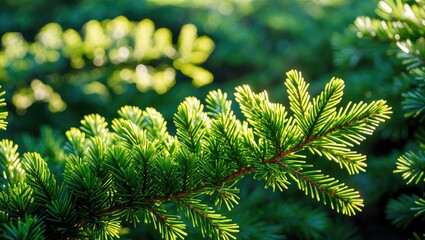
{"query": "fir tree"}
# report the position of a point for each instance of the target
(135, 170)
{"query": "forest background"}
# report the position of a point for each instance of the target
(62, 60)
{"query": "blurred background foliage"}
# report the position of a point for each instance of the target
(82, 55)
(385, 56)
(61, 60)
(107, 59)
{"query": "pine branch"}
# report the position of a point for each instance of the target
(414, 104)
(62, 217)
(126, 181)
(299, 99)
(17, 201)
(10, 164)
(171, 227)
(419, 207)
(324, 107)
(191, 121)
(40, 179)
(138, 167)
(213, 225)
(3, 114)
(399, 210)
(412, 167)
(398, 30)
(150, 119)
(26, 228)
(188, 167)
(76, 142)
(91, 192)
(227, 195)
(327, 189)
(352, 161)
(94, 125)
(358, 115)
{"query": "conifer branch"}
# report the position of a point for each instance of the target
(170, 227)
(38, 176)
(276, 159)
(400, 27)
(138, 167)
(3, 114)
(212, 224)
(412, 167)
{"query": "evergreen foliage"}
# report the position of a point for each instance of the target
(402, 24)
(3, 114)
(400, 27)
(407, 208)
(137, 171)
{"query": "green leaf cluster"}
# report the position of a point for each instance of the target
(135, 170)
(104, 58)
